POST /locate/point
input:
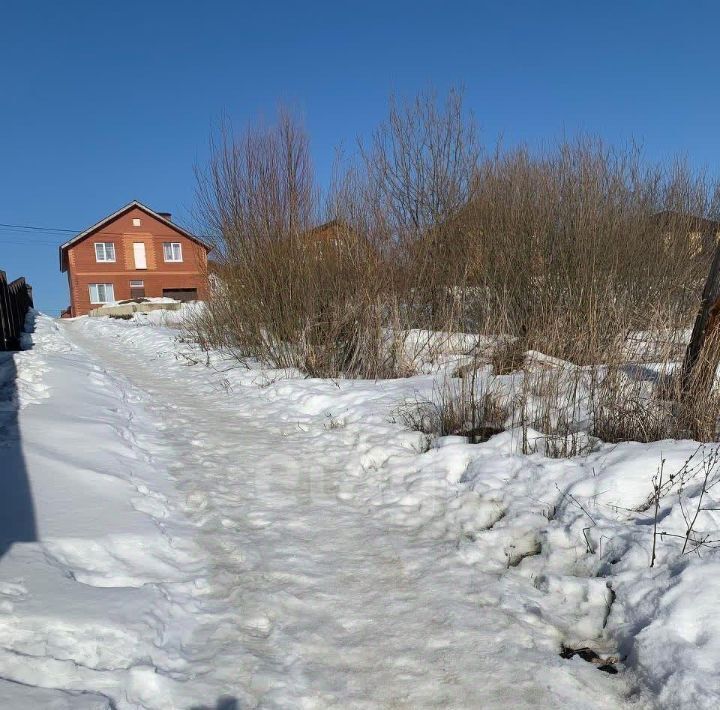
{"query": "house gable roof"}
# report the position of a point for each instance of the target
(701, 224)
(134, 204)
(328, 231)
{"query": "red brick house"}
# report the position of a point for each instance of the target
(132, 253)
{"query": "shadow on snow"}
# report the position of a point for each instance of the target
(226, 702)
(17, 515)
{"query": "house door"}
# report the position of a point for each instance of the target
(139, 254)
(181, 294)
(137, 289)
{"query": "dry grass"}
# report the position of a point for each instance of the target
(457, 408)
(508, 356)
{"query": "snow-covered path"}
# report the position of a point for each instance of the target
(316, 601)
(323, 602)
(269, 573)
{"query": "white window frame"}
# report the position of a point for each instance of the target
(136, 283)
(95, 293)
(137, 221)
(175, 249)
(106, 253)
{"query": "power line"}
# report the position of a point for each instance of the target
(25, 238)
(21, 242)
(40, 229)
(63, 230)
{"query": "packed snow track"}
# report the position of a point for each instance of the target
(215, 537)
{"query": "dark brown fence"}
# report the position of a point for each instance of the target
(15, 301)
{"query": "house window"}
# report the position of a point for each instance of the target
(136, 221)
(104, 251)
(172, 251)
(137, 289)
(102, 293)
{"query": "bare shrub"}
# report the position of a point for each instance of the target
(583, 242)
(290, 296)
(694, 483)
(581, 252)
(341, 299)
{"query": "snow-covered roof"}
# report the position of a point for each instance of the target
(135, 203)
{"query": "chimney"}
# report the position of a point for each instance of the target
(166, 215)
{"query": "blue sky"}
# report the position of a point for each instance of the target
(101, 102)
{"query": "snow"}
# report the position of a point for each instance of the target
(170, 318)
(197, 531)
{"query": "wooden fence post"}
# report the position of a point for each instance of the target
(706, 320)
